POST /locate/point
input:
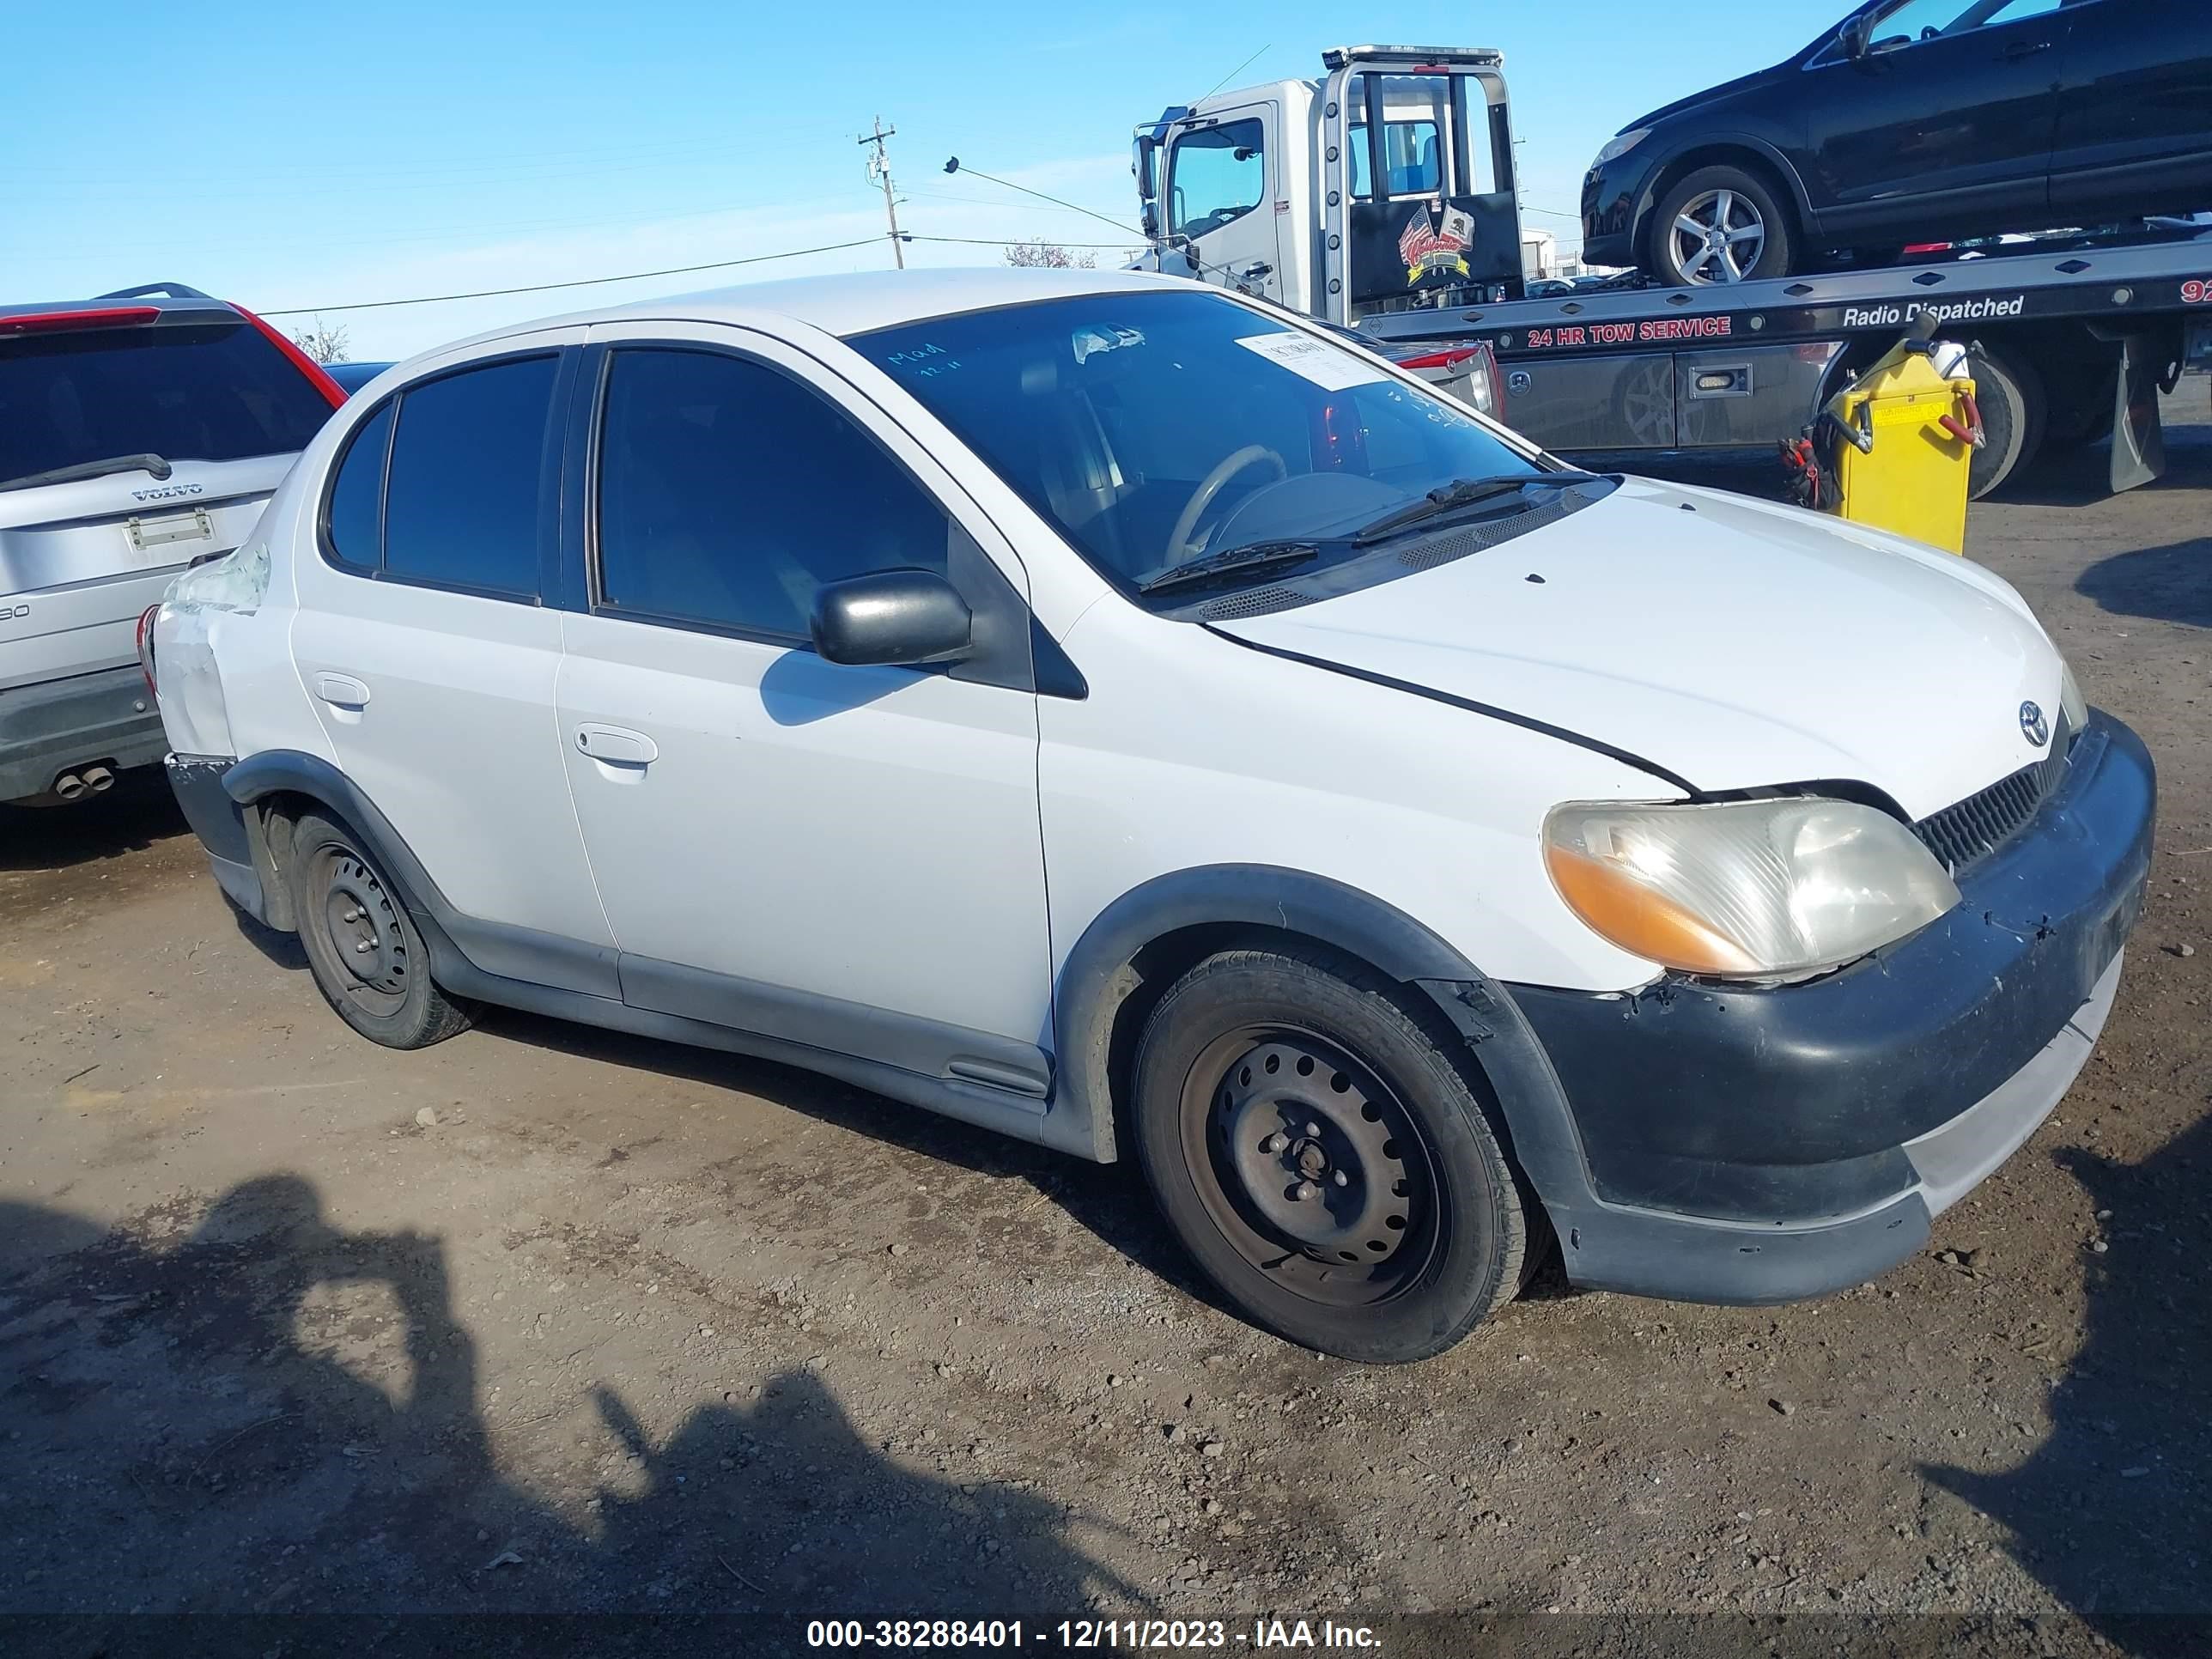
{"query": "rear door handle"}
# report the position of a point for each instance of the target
(341, 691)
(617, 745)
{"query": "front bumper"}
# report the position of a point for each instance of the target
(1612, 196)
(1745, 1145)
(61, 725)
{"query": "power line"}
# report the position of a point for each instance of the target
(581, 282)
(1232, 74)
(955, 165)
(674, 271)
(1010, 241)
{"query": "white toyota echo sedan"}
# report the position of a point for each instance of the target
(1123, 715)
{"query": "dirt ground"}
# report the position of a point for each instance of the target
(553, 1322)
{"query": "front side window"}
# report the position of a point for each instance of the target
(1154, 428)
(466, 488)
(1216, 175)
(1931, 20)
(729, 493)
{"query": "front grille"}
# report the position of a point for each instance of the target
(1968, 831)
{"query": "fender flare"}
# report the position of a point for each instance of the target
(464, 950)
(1800, 199)
(1094, 980)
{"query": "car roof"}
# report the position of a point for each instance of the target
(856, 302)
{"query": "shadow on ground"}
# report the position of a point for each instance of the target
(181, 1438)
(129, 817)
(1109, 1199)
(2172, 583)
(2111, 1512)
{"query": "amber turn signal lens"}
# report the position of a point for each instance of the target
(1639, 921)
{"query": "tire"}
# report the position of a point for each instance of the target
(2010, 395)
(1310, 1141)
(1749, 201)
(366, 954)
(2078, 408)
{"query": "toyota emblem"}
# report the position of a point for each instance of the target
(2032, 726)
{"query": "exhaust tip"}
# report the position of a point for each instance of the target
(69, 786)
(99, 779)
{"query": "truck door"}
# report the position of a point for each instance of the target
(1223, 196)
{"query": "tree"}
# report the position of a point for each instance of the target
(322, 343)
(1047, 256)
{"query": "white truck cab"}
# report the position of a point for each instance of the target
(1384, 185)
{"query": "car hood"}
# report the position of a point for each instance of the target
(1706, 96)
(1733, 643)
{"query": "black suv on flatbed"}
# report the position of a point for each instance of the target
(1916, 121)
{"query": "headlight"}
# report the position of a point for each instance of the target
(1745, 890)
(1617, 148)
(2071, 703)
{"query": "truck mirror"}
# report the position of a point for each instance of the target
(1150, 222)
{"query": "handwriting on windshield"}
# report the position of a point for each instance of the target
(925, 360)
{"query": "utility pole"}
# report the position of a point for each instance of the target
(879, 168)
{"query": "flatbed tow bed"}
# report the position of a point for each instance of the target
(2070, 337)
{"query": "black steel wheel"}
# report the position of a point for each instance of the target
(366, 954)
(1314, 1145)
(1315, 1173)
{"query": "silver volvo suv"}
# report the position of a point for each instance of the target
(140, 432)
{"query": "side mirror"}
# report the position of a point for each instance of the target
(1858, 35)
(895, 618)
(1150, 224)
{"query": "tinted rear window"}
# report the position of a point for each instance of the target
(357, 498)
(219, 392)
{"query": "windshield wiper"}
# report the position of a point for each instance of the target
(147, 463)
(1254, 556)
(1464, 492)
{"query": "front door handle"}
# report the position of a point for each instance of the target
(341, 691)
(2019, 49)
(617, 745)
(1253, 273)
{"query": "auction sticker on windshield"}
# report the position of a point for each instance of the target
(1330, 368)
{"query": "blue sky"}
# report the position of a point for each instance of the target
(287, 156)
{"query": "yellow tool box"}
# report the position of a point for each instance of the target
(1893, 448)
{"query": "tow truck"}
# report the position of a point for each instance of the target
(1380, 196)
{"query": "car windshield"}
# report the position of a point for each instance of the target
(1154, 429)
